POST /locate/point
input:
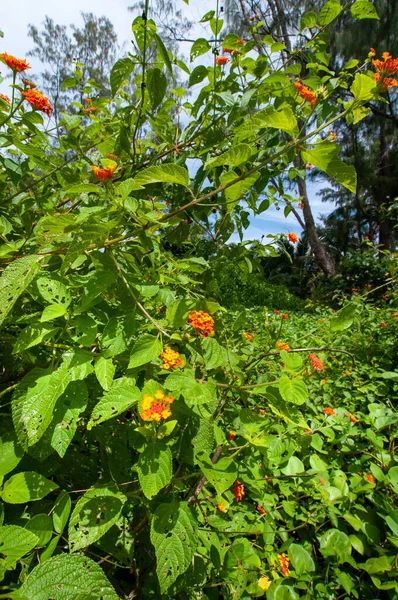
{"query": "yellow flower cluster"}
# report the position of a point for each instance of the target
(171, 359)
(282, 346)
(157, 408)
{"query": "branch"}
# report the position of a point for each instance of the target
(203, 481)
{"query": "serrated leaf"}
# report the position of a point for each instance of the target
(154, 468)
(67, 576)
(194, 393)
(363, 87)
(293, 390)
(146, 348)
(26, 487)
(177, 313)
(34, 400)
(84, 188)
(174, 536)
(283, 119)
(122, 396)
(51, 312)
(292, 361)
(329, 12)
(104, 371)
(52, 289)
(33, 335)
(235, 156)
(157, 86)
(236, 192)
(325, 157)
(93, 515)
(363, 9)
(67, 410)
(164, 174)
(14, 281)
(10, 452)
(214, 354)
(120, 71)
(221, 475)
(41, 525)
(15, 542)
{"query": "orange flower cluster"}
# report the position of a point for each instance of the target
(5, 98)
(103, 173)
(352, 417)
(16, 64)
(221, 507)
(202, 322)
(112, 156)
(316, 362)
(329, 411)
(38, 101)
(231, 435)
(87, 111)
(284, 317)
(157, 408)
(383, 324)
(282, 346)
(305, 93)
(238, 490)
(248, 336)
(301, 205)
(386, 67)
(88, 100)
(261, 510)
(284, 564)
(222, 60)
(292, 237)
(370, 478)
(332, 136)
(171, 359)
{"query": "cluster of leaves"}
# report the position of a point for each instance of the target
(225, 497)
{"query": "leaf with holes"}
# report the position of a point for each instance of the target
(122, 396)
(10, 452)
(154, 468)
(67, 576)
(26, 487)
(174, 536)
(14, 281)
(67, 410)
(221, 475)
(93, 515)
(120, 71)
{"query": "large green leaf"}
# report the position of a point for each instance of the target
(221, 475)
(67, 576)
(14, 281)
(163, 173)
(147, 348)
(325, 157)
(26, 487)
(67, 410)
(122, 396)
(154, 468)
(15, 542)
(344, 318)
(363, 9)
(104, 371)
(214, 354)
(236, 192)
(174, 536)
(157, 86)
(293, 390)
(363, 87)
(283, 118)
(42, 526)
(10, 452)
(329, 12)
(163, 53)
(335, 543)
(34, 400)
(120, 71)
(199, 47)
(184, 382)
(93, 515)
(234, 157)
(302, 560)
(33, 335)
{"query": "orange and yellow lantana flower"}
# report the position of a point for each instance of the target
(171, 359)
(157, 407)
(384, 69)
(282, 346)
(38, 101)
(16, 64)
(202, 322)
(103, 173)
(305, 93)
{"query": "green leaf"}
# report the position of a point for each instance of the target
(293, 390)
(146, 348)
(335, 543)
(199, 47)
(53, 311)
(283, 119)
(34, 400)
(93, 515)
(122, 396)
(197, 75)
(294, 466)
(61, 512)
(235, 156)
(104, 371)
(325, 157)
(10, 452)
(52, 289)
(41, 525)
(329, 12)
(154, 468)
(67, 410)
(177, 313)
(214, 355)
(363, 87)
(301, 559)
(33, 335)
(84, 188)
(26, 487)
(174, 536)
(194, 393)
(157, 86)
(15, 542)
(14, 281)
(308, 20)
(120, 71)
(236, 192)
(216, 25)
(221, 475)
(344, 318)
(163, 53)
(291, 360)
(165, 174)
(67, 576)
(363, 9)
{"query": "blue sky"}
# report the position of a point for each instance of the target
(16, 15)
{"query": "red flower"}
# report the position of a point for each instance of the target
(292, 237)
(300, 205)
(316, 362)
(16, 64)
(231, 435)
(103, 174)
(276, 312)
(383, 324)
(261, 510)
(284, 317)
(38, 101)
(329, 411)
(238, 490)
(222, 60)
(370, 478)
(305, 93)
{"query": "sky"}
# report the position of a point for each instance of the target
(15, 16)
